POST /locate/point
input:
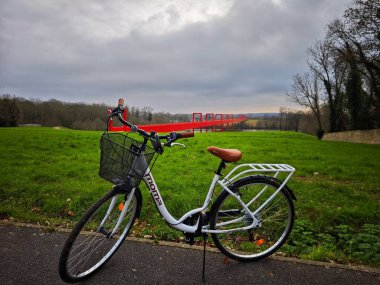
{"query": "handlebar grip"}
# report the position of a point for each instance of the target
(185, 135)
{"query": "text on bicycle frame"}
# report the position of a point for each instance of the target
(153, 189)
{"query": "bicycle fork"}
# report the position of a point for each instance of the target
(121, 217)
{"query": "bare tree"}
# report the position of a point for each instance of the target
(10, 114)
(330, 68)
(305, 91)
(146, 112)
(290, 119)
(282, 117)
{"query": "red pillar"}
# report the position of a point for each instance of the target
(209, 117)
(200, 119)
(218, 117)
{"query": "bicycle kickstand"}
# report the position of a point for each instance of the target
(205, 237)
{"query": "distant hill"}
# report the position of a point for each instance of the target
(260, 115)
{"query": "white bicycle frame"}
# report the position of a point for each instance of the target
(238, 172)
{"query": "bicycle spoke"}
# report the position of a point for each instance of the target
(273, 221)
(87, 255)
(93, 244)
(90, 243)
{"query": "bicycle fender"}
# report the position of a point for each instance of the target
(286, 187)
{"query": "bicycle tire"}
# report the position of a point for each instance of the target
(275, 219)
(88, 246)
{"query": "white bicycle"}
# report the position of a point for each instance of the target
(249, 220)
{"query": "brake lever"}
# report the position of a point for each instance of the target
(179, 144)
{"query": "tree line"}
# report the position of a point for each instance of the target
(287, 119)
(15, 111)
(342, 82)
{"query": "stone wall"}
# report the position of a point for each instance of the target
(368, 136)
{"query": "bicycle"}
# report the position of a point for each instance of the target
(249, 220)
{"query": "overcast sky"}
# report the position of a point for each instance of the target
(175, 56)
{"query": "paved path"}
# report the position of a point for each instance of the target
(30, 256)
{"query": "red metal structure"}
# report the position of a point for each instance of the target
(200, 116)
(210, 117)
(219, 117)
(217, 120)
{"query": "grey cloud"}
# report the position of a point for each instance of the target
(246, 58)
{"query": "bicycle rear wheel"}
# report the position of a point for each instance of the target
(92, 241)
(275, 220)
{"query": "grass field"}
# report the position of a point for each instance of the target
(49, 176)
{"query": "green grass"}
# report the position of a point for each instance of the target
(50, 176)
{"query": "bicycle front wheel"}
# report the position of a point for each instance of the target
(275, 220)
(97, 235)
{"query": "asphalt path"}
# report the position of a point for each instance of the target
(30, 256)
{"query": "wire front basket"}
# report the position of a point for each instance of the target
(122, 162)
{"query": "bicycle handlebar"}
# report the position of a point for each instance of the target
(186, 135)
(170, 138)
(134, 128)
(173, 136)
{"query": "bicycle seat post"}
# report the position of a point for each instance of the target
(222, 165)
